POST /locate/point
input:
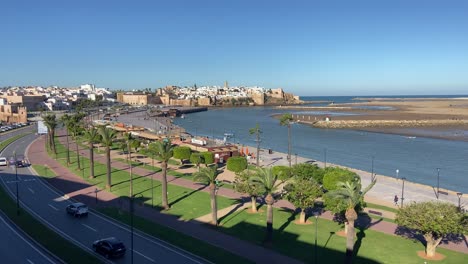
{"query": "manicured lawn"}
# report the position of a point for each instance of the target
(43, 235)
(181, 240)
(44, 171)
(187, 209)
(381, 207)
(298, 240)
(6, 142)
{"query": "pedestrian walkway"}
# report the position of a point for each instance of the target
(377, 225)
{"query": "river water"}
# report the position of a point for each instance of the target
(416, 159)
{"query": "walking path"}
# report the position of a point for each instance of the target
(82, 190)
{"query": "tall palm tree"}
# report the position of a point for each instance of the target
(107, 138)
(286, 120)
(208, 176)
(350, 193)
(265, 178)
(91, 135)
(66, 122)
(50, 121)
(256, 131)
(76, 128)
(164, 151)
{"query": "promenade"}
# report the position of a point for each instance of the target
(76, 188)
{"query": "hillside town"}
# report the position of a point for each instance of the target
(16, 102)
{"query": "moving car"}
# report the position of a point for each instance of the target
(77, 209)
(3, 161)
(109, 247)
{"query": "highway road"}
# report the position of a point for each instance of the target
(47, 205)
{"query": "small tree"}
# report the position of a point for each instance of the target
(242, 185)
(182, 153)
(334, 175)
(282, 172)
(208, 157)
(208, 176)
(236, 164)
(196, 158)
(307, 171)
(434, 220)
(287, 120)
(302, 193)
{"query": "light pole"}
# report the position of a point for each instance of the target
(438, 174)
(403, 191)
(372, 170)
(295, 154)
(17, 187)
(397, 171)
(459, 194)
(325, 156)
(131, 202)
(316, 229)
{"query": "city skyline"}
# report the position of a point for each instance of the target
(317, 48)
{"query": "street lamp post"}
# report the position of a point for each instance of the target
(316, 229)
(459, 194)
(372, 170)
(325, 156)
(397, 171)
(131, 202)
(295, 154)
(438, 174)
(402, 191)
(17, 187)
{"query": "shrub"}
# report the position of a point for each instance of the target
(182, 153)
(196, 158)
(307, 171)
(208, 157)
(281, 172)
(237, 164)
(333, 175)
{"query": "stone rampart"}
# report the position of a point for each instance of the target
(384, 123)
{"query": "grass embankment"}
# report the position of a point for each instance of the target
(38, 231)
(8, 141)
(290, 239)
(44, 171)
(181, 206)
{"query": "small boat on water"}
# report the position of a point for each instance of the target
(182, 116)
(409, 137)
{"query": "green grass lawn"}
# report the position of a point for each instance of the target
(44, 171)
(381, 207)
(43, 235)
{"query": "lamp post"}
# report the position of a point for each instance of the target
(397, 171)
(131, 201)
(459, 194)
(438, 174)
(17, 187)
(325, 156)
(316, 229)
(372, 170)
(402, 191)
(295, 154)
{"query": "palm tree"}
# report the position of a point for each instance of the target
(91, 135)
(265, 178)
(164, 151)
(350, 193)
(66, 122)
(107, 138)
(50, 121)
(256, 131)
(75, 125)
(208, 176)
(286, 120)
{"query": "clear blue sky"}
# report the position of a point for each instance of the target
(347, 47)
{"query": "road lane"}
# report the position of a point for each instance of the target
(49, 206)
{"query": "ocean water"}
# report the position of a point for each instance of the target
(415, 158)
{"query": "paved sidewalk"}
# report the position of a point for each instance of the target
(381, 226)
(77, 188)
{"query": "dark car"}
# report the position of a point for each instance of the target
(77, 209)
(109, 247)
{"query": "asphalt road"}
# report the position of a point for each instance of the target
(48, 206)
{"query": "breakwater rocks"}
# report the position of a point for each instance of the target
(383, 123)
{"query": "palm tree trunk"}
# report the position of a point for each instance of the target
(68, 149)
(165, 204)
(302, 217)
(350, 243)
(289, 145)
(91, 160)
(258, 148)
(214, 205)
(269, 216)
(77, 153)
(108, 163)
(253, 200)
(52, 135)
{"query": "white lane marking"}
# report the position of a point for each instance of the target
(90, 227)
(12, 181)
(30, 261)
(53, 207)
(148, 258)
(27, 242)
(27, 180)
(31, 190)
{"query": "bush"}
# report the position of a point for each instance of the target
(208, 157)
(281, 172)
(307, 171)
(333, 175)
(182, 153)
(237, 164)
(196, 158)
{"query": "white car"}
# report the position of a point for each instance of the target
(3, 161)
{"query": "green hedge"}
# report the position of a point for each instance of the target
(196, 158)
(208, 157)
(333, 175)
(237, 164)
(182, 153)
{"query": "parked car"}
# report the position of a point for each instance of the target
(3, 161)
(77, 209)
(109, 247)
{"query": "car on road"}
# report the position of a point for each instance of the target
(109, 247)
(77, 209)
(3, 161)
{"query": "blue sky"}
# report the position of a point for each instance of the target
(373, 47)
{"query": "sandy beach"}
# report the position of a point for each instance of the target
(435, 118)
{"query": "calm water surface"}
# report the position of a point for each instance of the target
(415, 158)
